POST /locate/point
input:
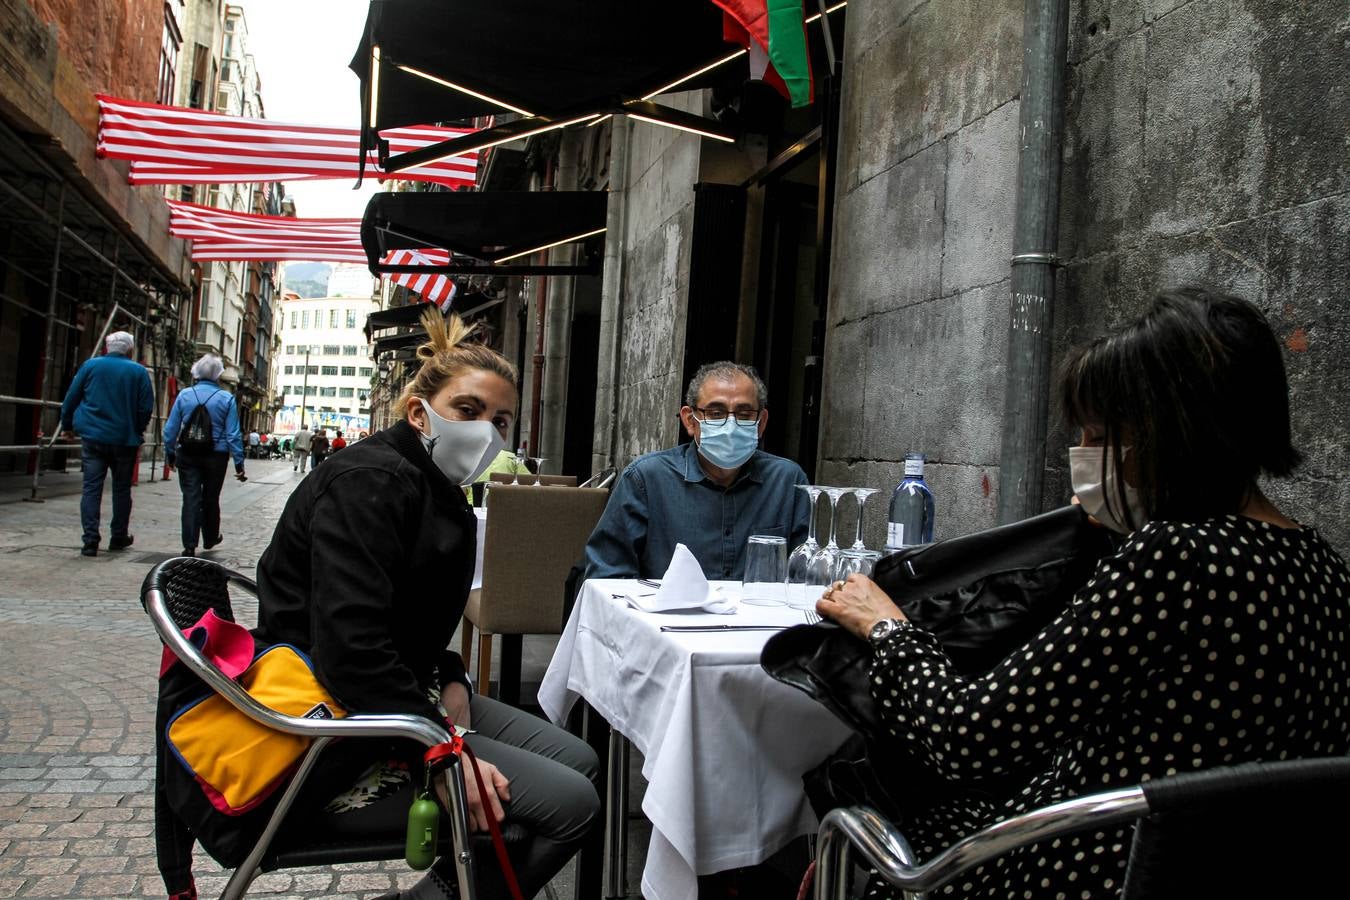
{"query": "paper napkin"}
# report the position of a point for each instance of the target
(684, 587)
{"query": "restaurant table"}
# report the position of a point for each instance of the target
(724, 746)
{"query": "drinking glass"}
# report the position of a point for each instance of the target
(855, 562)
(862, 494)
(520, 464)
(765, 571)
(826, 559)
(802, 553)
(538, 469)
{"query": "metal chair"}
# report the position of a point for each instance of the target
(1257, 829)
(600, 479)
(176, 593)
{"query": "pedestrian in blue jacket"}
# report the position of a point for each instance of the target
(108, 405)
(202, 474)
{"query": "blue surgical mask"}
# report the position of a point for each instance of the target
(728, 445)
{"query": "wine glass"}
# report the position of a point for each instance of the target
(862, 494)
(520, 464)
(827, 557)
(538, 469)
(802, 553)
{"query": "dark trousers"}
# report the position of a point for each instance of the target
(554, 798)
(200, 478)
(98, 459)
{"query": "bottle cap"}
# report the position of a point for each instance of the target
(914, 465)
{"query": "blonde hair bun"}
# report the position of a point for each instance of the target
(444, 333)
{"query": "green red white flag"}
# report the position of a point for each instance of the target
(778, 27)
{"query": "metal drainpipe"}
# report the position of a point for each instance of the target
(540, 320)
(1035, 240)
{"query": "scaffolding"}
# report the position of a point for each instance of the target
(64, 265)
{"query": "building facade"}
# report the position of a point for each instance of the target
(323, 371)
(870, 281)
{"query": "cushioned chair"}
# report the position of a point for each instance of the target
(533, 537)
(530, 479)
(1253, 830)
(176, 594)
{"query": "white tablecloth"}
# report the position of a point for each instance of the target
(724, 745)
(482, 537)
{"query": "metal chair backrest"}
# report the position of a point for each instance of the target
(1190, 838)
(190, 586)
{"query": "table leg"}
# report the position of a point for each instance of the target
(616, 816)
(594, 730)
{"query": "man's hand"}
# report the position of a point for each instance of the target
(69, 436)
(498, 788)
(857, 604)
(455, 699)
(171, 460)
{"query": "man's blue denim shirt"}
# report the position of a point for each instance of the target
(664, 498)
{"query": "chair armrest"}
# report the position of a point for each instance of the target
(885, 849)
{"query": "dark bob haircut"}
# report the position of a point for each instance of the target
(1196, 386)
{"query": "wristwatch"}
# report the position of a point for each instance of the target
(883, 629)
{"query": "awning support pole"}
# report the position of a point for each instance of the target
(48, 345)
(1035, 241)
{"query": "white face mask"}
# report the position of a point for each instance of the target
(1091, 481)
(461, 450)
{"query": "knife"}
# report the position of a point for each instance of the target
(723, 627)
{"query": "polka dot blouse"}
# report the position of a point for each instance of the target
(1198, 645)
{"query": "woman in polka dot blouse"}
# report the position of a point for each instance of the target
(1217, 635)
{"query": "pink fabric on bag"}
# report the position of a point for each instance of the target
(228, 645)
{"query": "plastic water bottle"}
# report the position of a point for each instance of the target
(912, 508)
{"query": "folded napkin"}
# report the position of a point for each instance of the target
(684, 587)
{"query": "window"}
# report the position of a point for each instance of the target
(295, 322)
(346, 392)
(328, 392)
(363, 411)
(350, 350)
(328, 370)
(169, 43)
(365, 371)
(304, 319)
(313, 370)
(333, 318)
(331, 349)
(351, 318)
(290, 370)
(363, 395)
(290, 348)
(311, 390)
(349, 371)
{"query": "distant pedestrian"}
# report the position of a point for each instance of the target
(300, 455)
(339, 442)
(200, 437)
(254, 442)
(318, 445)
(286, 447)
(109, 404)
(363, 436)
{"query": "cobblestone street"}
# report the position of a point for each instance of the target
(78, 661)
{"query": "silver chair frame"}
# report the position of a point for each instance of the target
(600, 479)
(323, 731)
(886, 850)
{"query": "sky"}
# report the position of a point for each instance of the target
(302, 48)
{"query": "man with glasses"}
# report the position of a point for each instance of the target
(709, 495)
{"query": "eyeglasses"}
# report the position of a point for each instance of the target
(716, 415)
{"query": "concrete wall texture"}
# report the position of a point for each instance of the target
(1205, 140)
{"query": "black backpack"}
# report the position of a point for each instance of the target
(197, 437)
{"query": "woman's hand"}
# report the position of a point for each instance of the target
(455, 699)
(857, 605)
(498, 788)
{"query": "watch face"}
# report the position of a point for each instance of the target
(882, 629)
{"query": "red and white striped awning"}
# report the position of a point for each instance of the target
(174, 145)
(222, 235)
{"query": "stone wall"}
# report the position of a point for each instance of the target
(1204, 140)
(110, 43)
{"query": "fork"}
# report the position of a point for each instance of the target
(812, 617)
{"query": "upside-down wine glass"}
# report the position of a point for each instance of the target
(862, 494)
(799, 561)
(538, 469)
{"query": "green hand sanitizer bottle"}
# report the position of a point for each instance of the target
(424, 818)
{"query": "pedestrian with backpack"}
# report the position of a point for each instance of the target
(200, 437)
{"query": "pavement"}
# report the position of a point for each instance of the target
(78, 666)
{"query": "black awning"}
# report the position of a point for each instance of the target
(394, 317)
(487, 233)
(547, 61)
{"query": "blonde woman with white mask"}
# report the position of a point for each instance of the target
(368, 573)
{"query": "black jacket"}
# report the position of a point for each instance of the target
(368, 572)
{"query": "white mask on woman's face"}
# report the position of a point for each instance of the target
(1091, 481)
(461, 450)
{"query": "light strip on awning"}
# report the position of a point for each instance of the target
(688, 128)
(828, 9)
(708, 68)
(463, 90)
(567, 240)
(374, 82)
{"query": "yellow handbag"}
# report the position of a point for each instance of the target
(237, 762)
